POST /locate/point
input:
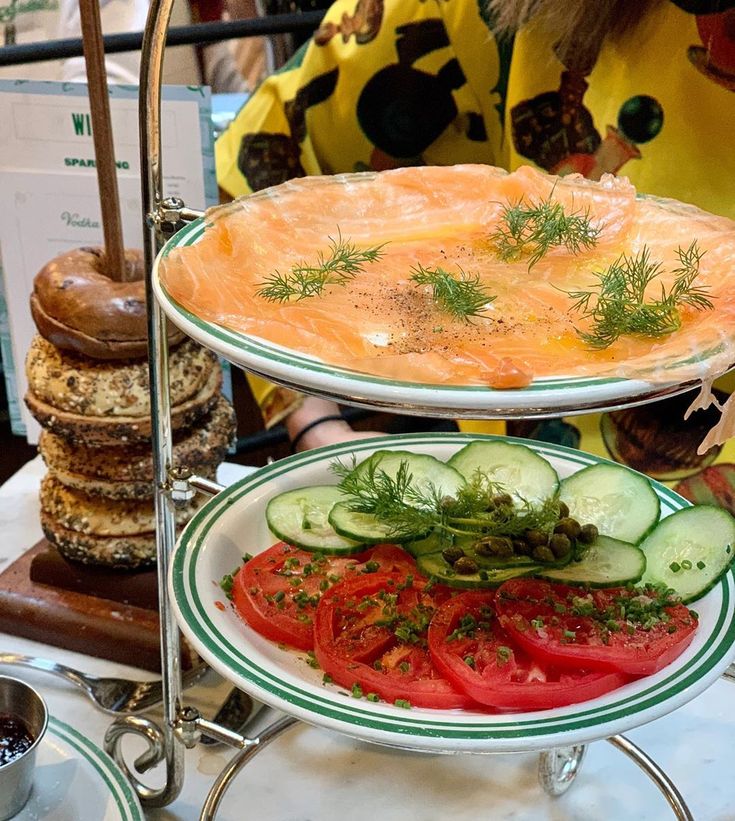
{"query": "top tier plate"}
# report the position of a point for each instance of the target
(623, 376)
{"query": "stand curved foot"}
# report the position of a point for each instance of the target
(656, 774)
(558, 768)
(159, 749)
(238, 761)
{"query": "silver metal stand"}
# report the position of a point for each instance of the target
(182, 726)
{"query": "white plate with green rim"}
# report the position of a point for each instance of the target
(75, 779)
(233, 523)
(549, 396)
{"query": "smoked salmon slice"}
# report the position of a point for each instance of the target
(381, 323)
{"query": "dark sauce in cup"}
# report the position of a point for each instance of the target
(15, 738)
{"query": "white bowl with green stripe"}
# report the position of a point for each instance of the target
(549, 396)
(233, 523)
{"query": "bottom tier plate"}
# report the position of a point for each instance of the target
(233, 523)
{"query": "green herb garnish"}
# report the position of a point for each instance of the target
(462, 296)
(406, 509)
(227, 581)
(344, 262)
(531, 230)
(618, 305)
(401, 702)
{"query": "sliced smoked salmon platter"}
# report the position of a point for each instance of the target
(460, 290)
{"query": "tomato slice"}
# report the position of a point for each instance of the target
(371, 633)
(635, 631)
(472, 650)
(276, 592)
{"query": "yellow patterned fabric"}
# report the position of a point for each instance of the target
(389, 83)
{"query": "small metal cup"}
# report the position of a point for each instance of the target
(16, 778)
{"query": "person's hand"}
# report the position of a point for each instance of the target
(317, 423)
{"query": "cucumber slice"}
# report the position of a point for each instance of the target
(606, 563)
(427, 473)
(621, 503)
(428, 476)
(300, 517)
(522, 473)
(364, 527)
(431, 544)
(690, 550)
(436, 566)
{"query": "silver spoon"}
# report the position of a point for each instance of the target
(111, 695)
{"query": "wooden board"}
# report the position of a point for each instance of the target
(77, 621)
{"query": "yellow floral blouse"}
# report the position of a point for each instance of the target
(389, 83)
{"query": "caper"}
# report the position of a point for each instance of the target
(498, 546)
(503, 500)
(560, 544)
(543, 554)
(563, 510)
(465, 566)
(452, 554)
(588, 533)
(569, 527)
(536, 538)
(521, 548)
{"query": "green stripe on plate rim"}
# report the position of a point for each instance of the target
(198, 620)
(189, 235)
(109, 771)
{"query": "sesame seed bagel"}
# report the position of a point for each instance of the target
(93, 530)
(121, 552)
(88, 387)
(119, 429)
(127, 472)
(77, 307)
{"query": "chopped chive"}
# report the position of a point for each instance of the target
(327, 679)
(686, 564)
(279, 596)
(401, 702)
(701, 565)
(674, 567)
(356, 690)
(470, 661)
(372, 697)
(502, 654)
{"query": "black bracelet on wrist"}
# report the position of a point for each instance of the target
(331, 418)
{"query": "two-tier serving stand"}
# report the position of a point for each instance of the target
(182, 725)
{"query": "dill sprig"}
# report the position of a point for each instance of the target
(619, 306)
(344, 262)
(407, 508)
(395, 500)
(463, 296)
(532, 229)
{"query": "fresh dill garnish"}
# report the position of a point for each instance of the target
(344, 262)
(463, 296)
(531, 230)
(406, 509)
(618, 305)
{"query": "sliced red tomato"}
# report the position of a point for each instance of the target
(277, 591)
(472, 650)
(371, 637)
(636, 631)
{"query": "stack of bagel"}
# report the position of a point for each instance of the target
(87, 374)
